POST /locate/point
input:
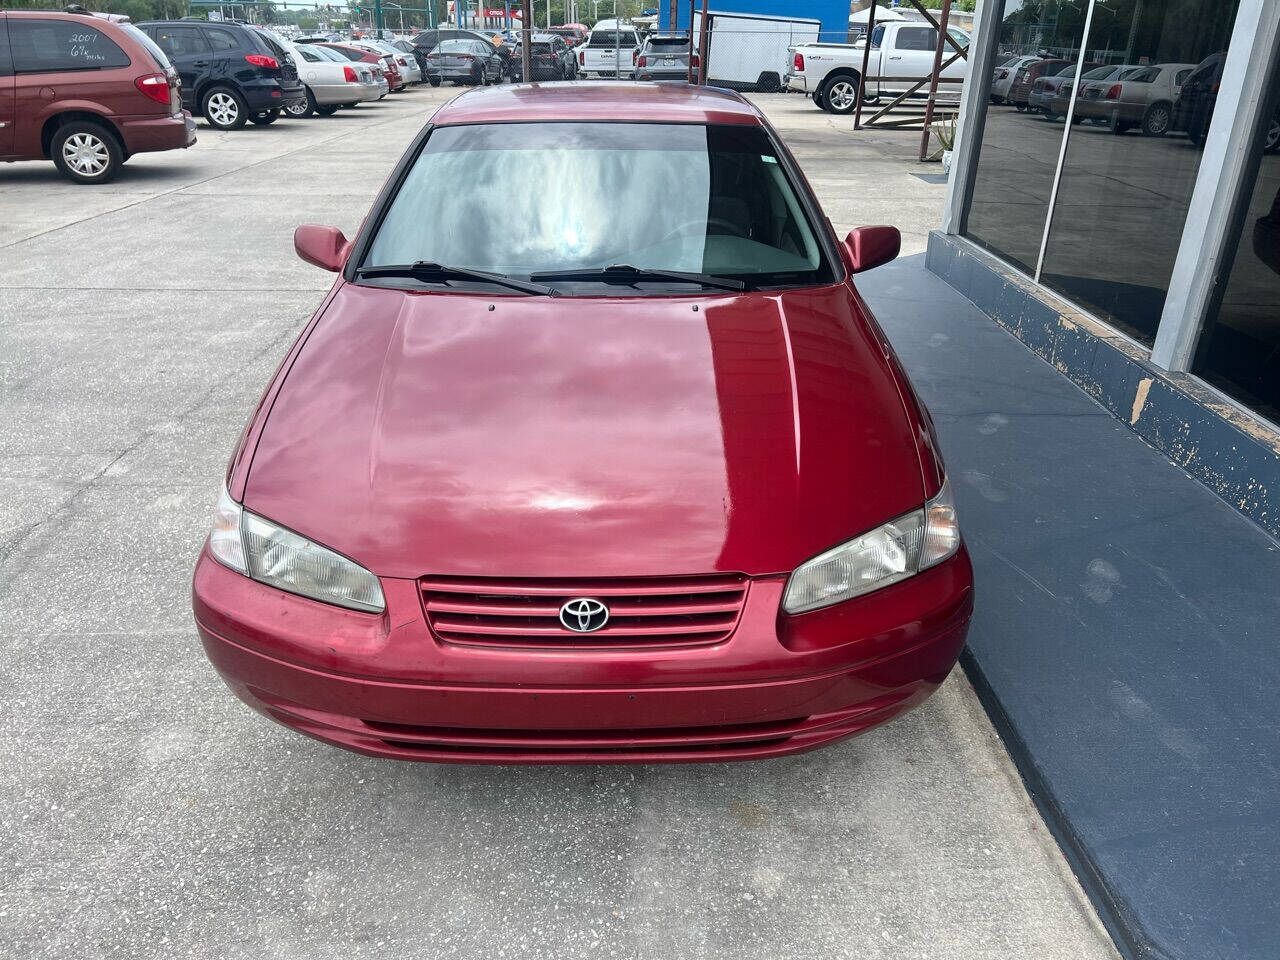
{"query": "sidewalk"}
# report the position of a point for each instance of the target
(1125, 639)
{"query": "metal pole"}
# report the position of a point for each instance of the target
(674, 15)
(704, 45)
(933, 77)
(379, 22)
(526, 42)
(973, 112)
(691, 41)
(1066, 136)
(866, 60)
(506, 14)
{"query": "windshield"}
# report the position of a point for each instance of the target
(585, 196)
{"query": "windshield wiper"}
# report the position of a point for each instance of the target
(428, 271)
(627, 274)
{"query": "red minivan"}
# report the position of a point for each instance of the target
(86, 93)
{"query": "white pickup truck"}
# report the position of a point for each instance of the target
(829, 72)
(610, 50)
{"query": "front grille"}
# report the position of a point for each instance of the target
(658, 611)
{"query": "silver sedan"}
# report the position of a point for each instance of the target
(331, 80)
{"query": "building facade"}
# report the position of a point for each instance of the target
(1115, 203)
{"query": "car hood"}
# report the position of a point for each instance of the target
(434, 434)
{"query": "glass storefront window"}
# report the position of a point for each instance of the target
(1133, 156)
(1239, 348)
(1019, 151)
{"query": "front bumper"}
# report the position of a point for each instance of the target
(384, 685)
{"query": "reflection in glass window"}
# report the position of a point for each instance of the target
(1239, 350)
(1130, 166)
(1019, 150)
(582, 196)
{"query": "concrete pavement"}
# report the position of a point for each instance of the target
(145, 813)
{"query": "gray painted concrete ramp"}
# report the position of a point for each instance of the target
(1127, 626)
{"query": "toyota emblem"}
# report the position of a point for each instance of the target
(584, 615)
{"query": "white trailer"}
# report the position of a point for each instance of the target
(748, 51)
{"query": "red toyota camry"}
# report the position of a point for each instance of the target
(592, 453)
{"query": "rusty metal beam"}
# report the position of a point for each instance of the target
(933, 77)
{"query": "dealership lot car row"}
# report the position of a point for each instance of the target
(1155, 99)
(89, 91)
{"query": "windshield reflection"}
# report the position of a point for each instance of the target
(518, 199)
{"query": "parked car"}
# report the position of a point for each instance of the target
(417, 555)
(231, 73)
(1193, 110)
(611, 50)
(406, 47)
(830, 72)
(387, 64)
(405, 63)
(466, 62)
(331, 80)
(1143, 98)
(85, 93)
(1194, 107)
(1002, 77)
(428, 40)
(571, 33)
(1026, 76)
(664, 56)
(1044, 91)
(1062, 98)
(549, 59)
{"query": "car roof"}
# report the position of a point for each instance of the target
(94, 19)
(600, 100)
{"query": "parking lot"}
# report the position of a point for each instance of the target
(146, 813)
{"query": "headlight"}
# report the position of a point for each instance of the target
(270, 554)
(899, 549)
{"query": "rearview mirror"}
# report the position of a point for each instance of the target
(871, 246)
(325, 247)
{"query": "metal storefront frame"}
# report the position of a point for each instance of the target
(1219, 181)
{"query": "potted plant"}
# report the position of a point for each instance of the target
(945, 131)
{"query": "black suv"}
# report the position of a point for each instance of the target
(230, 72)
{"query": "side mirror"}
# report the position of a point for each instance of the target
(871, 246)
(325, 247)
